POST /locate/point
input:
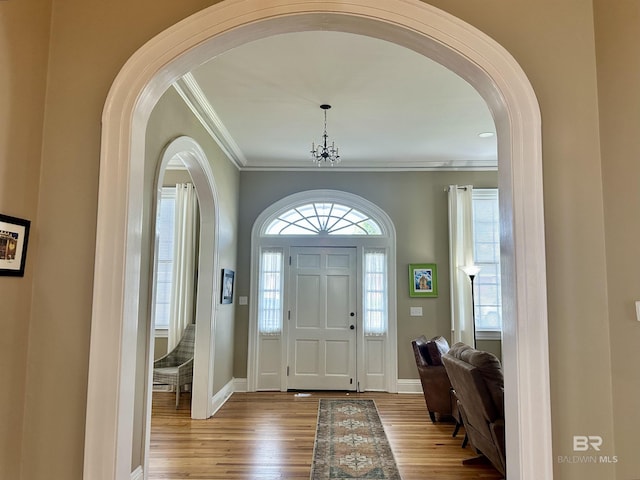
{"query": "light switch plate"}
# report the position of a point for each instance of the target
(415, 311)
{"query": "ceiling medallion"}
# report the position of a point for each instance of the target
(325, 154)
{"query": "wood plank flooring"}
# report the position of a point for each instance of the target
(265, 436)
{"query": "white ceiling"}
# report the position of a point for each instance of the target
(391, 107)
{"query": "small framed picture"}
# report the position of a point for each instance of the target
(423, 280)
(226, 295)
(14, 236)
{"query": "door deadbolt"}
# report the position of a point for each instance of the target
(352, 327)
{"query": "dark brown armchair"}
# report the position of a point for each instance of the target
(433, 376)
(478, 381)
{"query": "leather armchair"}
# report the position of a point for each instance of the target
(478, 381)
(433, 376)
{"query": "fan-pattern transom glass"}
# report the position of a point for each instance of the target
(323, 218)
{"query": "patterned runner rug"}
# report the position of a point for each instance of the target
(351, 443)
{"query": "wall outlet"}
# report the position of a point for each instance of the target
(415, 311)
(243, 300)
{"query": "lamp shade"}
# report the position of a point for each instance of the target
(471, 270)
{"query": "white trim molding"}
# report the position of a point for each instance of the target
(137, 474)
(409, 385)
(221, 397)
(488, 335)
(239, 384)
(387, 344)
(460, 47)
(189, 89)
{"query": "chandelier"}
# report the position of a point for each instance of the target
(325, 154)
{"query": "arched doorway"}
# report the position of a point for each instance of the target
(189, 152)
(304, 222)
(413, 24)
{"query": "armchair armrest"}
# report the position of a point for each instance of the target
(186, 367)
(164, 361)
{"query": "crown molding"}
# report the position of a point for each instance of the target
(193, 96)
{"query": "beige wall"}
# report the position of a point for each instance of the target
(24, 34)
(618, 35)
(421, 237)
(90, 40)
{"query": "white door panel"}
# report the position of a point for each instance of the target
(307, 358)
(337, 361)
(322, 342)
(307, 302)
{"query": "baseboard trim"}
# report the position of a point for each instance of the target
(220, 398)
(137, 474)
(239, 384)
(409, 385)
(162, 388)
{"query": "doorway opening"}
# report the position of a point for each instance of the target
(337, 251)
(189, 153)
(413, 24)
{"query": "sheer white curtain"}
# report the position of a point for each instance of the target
(375, 293)
(460, 254)
(184, 262)
(270, 296)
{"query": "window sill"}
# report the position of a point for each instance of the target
(488, 335)
(162, 333)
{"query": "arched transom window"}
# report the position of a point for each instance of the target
(323, 218)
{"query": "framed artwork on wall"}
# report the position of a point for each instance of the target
(423, 280)
(14, 235)
(226, 294)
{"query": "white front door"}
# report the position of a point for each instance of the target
(322, 323)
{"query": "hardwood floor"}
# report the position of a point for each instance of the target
(260, 436)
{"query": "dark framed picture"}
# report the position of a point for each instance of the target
(14, 236)
(423, 280)
(228, 277)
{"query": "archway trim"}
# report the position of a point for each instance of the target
(197, 164)
(386, 241)
(410, 23)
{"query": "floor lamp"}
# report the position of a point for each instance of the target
(472, 271)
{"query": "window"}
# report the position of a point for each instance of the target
(486, 241)
(375, 293)
(323, 218)
(270, 293)
(164, 232)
